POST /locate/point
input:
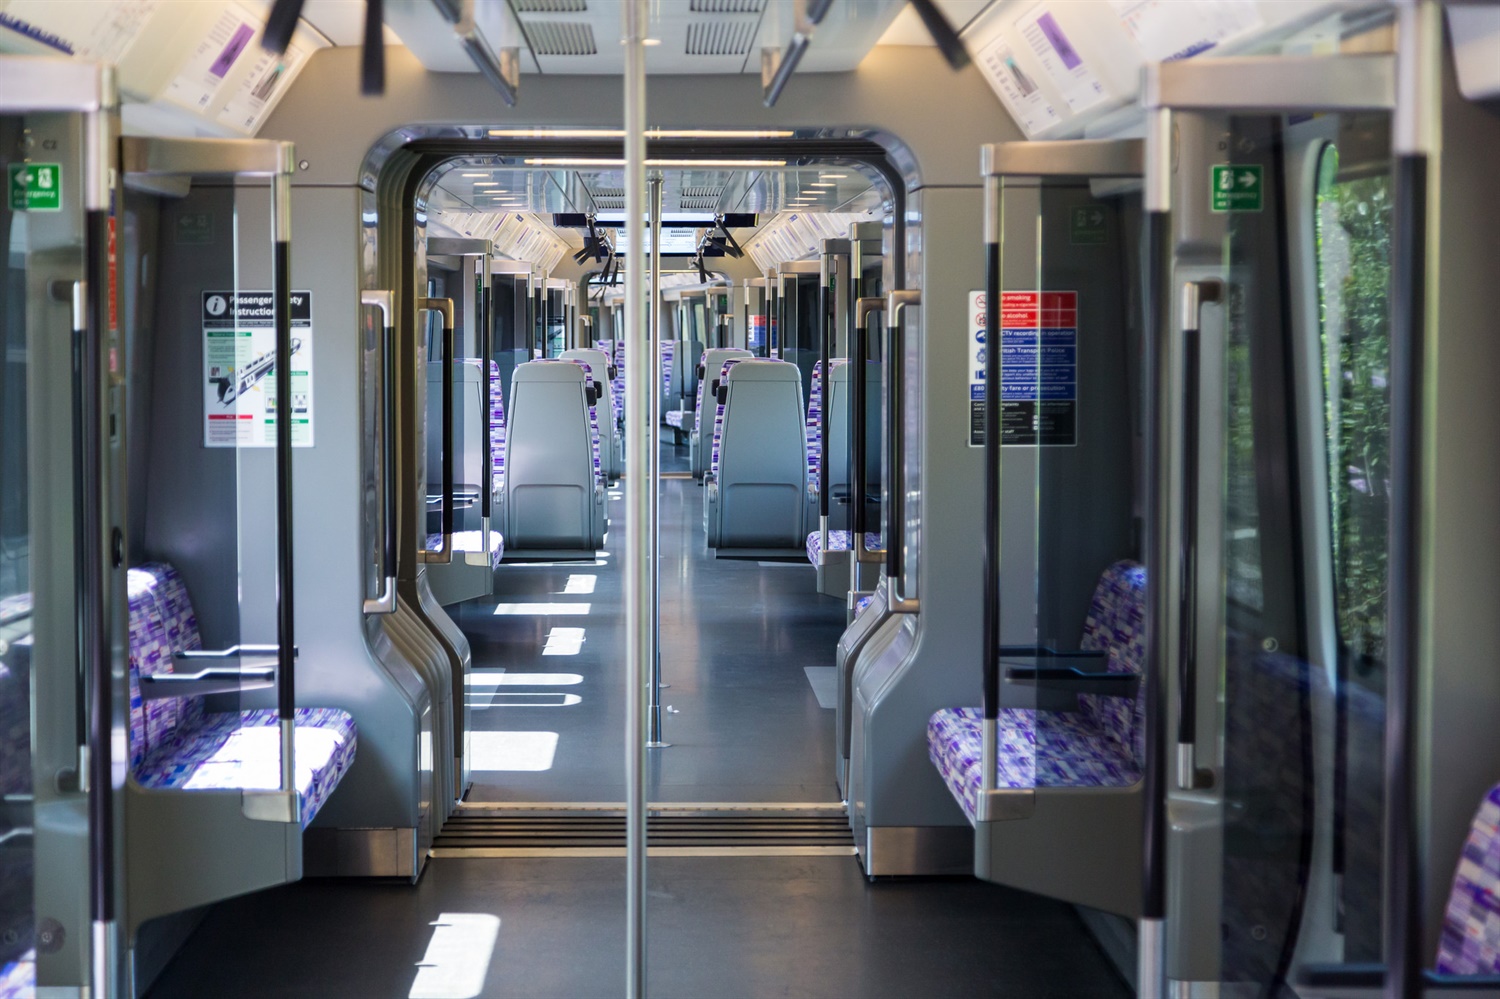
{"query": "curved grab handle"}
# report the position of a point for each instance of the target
(444, 307)
(1195, 294)
(385, 602)
(896, 303)
(864, 308)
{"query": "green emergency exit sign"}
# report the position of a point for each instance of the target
(1238, 188)
(36, 187)
(1088, 226)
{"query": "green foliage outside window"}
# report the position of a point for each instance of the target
(1354, 237)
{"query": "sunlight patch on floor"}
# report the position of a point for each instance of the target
(540, 609)
(531, 752)
(564, 642)
(458, 956)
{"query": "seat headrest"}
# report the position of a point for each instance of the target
(763, 370)
(547, 371)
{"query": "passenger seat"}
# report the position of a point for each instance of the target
(175, 743)
(1102, 744)
(554, 493)
(757, 496)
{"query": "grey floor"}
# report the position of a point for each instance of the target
(736, 640)
(739, 711)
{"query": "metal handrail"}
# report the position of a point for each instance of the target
(864, 308)
(897, 302)
(1195, 294)
(385, 603)
(444, 555)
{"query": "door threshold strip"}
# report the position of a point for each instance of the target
(832, 807)
(498, 853)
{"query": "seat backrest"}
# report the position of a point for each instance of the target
(162, 623)
(1470, 944)
(713, 460)
(551, 469)
(712, 362)
(598, 362)
(669, 375)
(815, 416)
(497, 424)
(468, 424)
(1116, 626)
(762, 457)
(588, 383)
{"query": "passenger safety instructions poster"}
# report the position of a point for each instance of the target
(1038, 367)
(239, 369)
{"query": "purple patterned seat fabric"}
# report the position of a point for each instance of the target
(815, 423)
(713, 459)
(174, 744)
(1470, 944)
(469, 541)
(1100, 745)
(17, 870)
(676, 418)
(668, 352)
(838, 541)
(497, 428)
(861, 604)
(619, 383)
(18, 978)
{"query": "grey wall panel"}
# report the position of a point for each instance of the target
(907, 91)
(192, 501)
(1461, 627)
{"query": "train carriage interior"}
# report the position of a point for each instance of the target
(749, 497)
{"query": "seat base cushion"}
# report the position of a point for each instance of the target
(18, 978)
(468, 541)
(1470, 944)
(241, 751)
(1072, 752)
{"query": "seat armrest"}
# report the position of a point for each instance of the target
(213, 680)
(1066, 672)
(1367, 981)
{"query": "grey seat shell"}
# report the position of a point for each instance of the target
(611, 440)
(700, 440)
(552, 498)
(757, 495)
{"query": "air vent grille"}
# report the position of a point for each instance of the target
(608, 192)
(700, 199)
(720, 38)
(551, 6)
(561, 38)
(726, 6)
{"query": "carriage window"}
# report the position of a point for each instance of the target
(1353, 232)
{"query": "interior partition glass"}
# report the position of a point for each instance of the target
(1305, 414)
(42, 695)
(1071, 581)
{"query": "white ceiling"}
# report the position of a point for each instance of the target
(692, 36)
(700, 191)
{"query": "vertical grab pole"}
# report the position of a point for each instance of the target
(640, 609)
(654, 740)
(1419, 36)
(825, 319)
(1151, 971)
(97, 773)
(993, 207)
(286, 637)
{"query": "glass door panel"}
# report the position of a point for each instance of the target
(1285, 529)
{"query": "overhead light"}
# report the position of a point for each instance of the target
(473, 175)
(646, 41)
(821, 184)
(833, 176)
(486, 183)
(575, 161)
(651, 133)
